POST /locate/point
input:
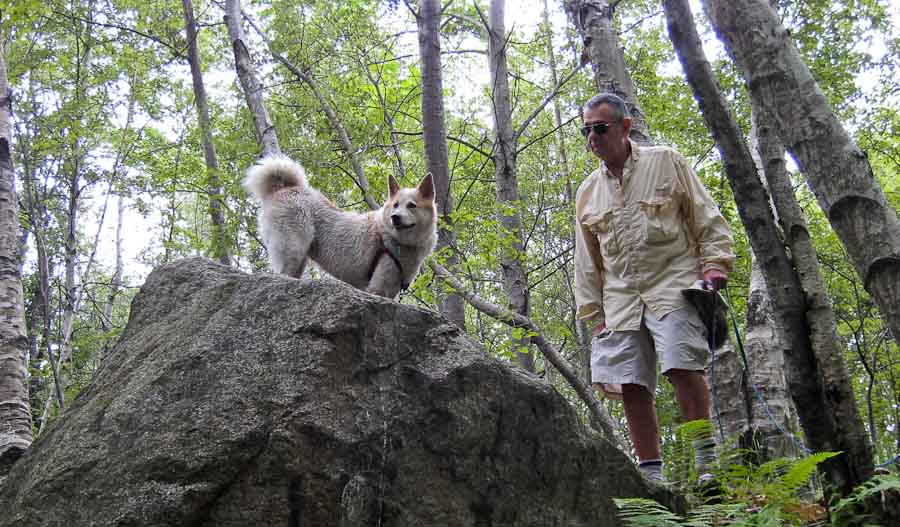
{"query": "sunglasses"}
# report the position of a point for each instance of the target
(599, 128)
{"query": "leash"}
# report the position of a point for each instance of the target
(712, 370)
(746, 366)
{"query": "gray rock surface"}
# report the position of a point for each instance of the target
(236, 399)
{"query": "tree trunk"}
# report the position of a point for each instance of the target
(820, 400)
(594, 21)
(116, 283)
(772, 415)
(434, 136)
(219, 242)
(557, 112)
(512, 259)
(15, 411)
(837, 170)
(250, 85)
(581, 331)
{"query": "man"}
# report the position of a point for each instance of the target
(646, 230)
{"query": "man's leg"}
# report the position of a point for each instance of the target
(640, 412)
(692, 393)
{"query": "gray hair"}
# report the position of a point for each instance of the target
(619, 108)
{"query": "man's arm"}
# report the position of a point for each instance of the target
(707, 225)
(588, 277)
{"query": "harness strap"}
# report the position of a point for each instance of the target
(392, 249)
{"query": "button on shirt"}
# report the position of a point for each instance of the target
(641, 240)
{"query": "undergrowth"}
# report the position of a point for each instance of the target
(773, 494)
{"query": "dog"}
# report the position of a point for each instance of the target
(379, 252)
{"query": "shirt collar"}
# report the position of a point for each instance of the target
(633, 158)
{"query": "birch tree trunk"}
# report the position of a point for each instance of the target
(434, 136)
(250, 85)
(515, 278)
(15, 410)
(582, 333)
(772, 415)
(822, 395)
(219, 242)
(594, 21)
(838, 172)
(116, 283)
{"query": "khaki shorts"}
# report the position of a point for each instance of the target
(678, 340)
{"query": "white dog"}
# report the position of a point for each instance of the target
(379, 252)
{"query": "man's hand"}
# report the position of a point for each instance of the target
(598, 329)
(715, 279)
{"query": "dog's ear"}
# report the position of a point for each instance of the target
(393, 186)
(426, 187)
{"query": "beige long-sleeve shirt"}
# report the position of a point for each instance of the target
(641, 240)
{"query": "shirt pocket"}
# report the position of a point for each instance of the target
(603, 226)
(662, 223)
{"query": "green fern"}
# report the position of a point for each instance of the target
(763, 496)
(639, 512)
(878, 485)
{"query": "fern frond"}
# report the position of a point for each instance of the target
(801, 470)
(876, 485)
(641, 512)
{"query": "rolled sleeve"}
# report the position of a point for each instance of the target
(705, 222)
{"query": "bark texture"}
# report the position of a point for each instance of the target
(250, 85)
(219, 240)
(512, 260)
(837, 171)
(434, 136)
(822, 400)
(15, 410)
(594, 21)
(772, 417)
(237, 399)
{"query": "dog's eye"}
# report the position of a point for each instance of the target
(396, 205)
(411, 205)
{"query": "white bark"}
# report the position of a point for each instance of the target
(837, 170)
(434, 136)
(515, 278)
(825, 403)
(594, 21)
(250, 85)
(213, 185)
(15, 410)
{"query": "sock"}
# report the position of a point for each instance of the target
(705, 457)
(653, 469)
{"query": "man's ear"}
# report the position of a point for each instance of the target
(426, 187)
(393, 186)
(626, 126)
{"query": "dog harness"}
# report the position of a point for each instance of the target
(392, 249)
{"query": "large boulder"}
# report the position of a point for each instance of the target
(238, 400)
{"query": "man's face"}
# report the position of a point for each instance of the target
(611, 141)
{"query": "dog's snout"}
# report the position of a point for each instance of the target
(396, 220)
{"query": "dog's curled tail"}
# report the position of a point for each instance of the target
(272, 174)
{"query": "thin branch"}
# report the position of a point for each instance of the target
(361, 180)
(177, 52)
(547, 100)
(639, 22)
(542, 136)
(465, 143)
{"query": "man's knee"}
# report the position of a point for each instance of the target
(676, 375)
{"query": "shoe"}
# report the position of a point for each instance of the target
(709, 489)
